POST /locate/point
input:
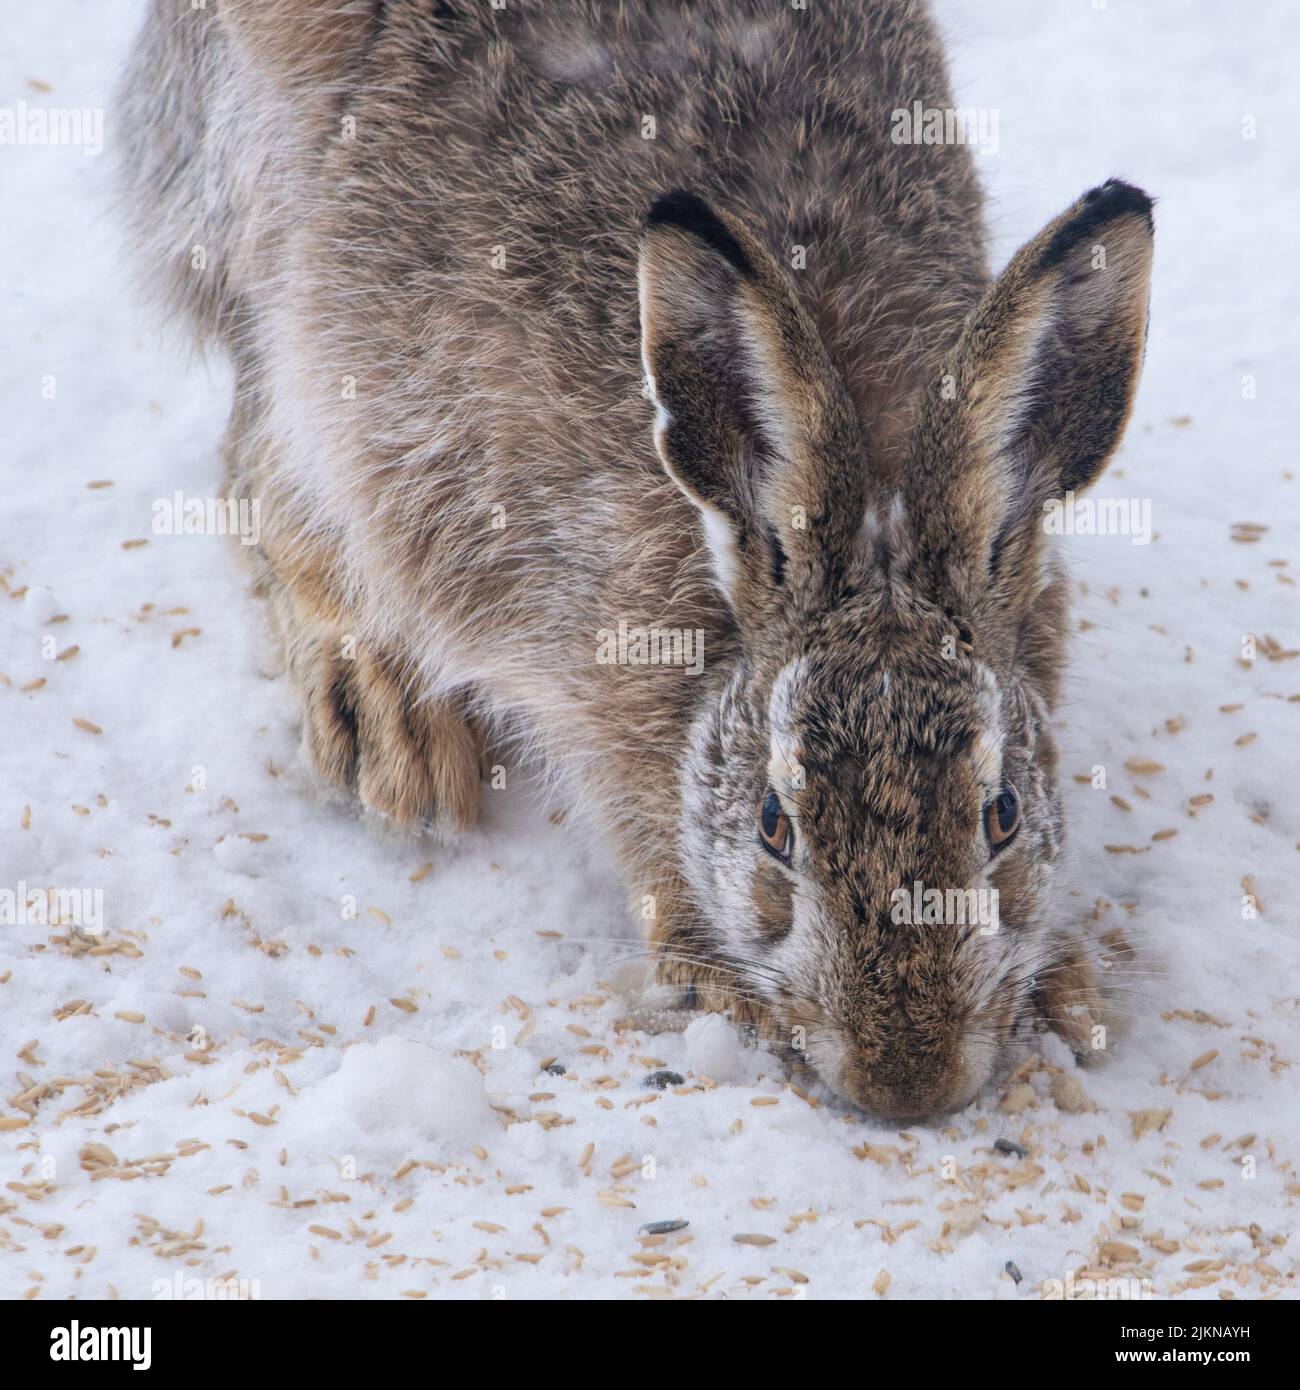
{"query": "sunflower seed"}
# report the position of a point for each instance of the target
(661, 1080)
(663, 1228)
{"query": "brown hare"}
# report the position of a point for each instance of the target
(610, 377)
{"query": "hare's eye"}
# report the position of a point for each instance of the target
(774, 828)
(1002, 818)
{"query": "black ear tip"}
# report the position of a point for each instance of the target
(677, 207)
(1097, 208)
(689, 213)
(1118, 197)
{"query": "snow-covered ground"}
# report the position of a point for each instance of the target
(306, 1055)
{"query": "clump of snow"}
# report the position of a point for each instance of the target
(400, 1086)
(715, 1049)
(237, 855)
(39, 605)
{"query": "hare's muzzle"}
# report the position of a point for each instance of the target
(907, 1080)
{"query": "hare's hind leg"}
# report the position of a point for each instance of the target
(414, 761)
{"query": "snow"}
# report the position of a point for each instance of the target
(313, 1062)
(714, 1049)
(401, 1093)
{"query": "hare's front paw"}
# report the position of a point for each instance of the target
(701, 985)
(414, 762)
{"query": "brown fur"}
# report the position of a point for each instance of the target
(424, 227)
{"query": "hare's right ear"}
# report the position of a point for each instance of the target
(752, 423)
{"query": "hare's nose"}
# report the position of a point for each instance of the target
(912, 1086)
(907, 1110)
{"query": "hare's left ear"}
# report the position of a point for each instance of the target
(753, 423)
(1036, 398)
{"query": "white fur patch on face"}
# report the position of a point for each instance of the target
(785, 774)
(986, 752)
(987, 755)
(784, 768)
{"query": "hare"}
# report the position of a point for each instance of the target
(612, 374)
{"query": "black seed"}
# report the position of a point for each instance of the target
(663, 1228)
(661, 1080)
(1008, 1146)
(1013, 1271)
(556, 1069)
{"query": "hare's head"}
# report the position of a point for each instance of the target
(871, 814)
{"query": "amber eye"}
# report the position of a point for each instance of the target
(1002, 817)
(774, 828)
